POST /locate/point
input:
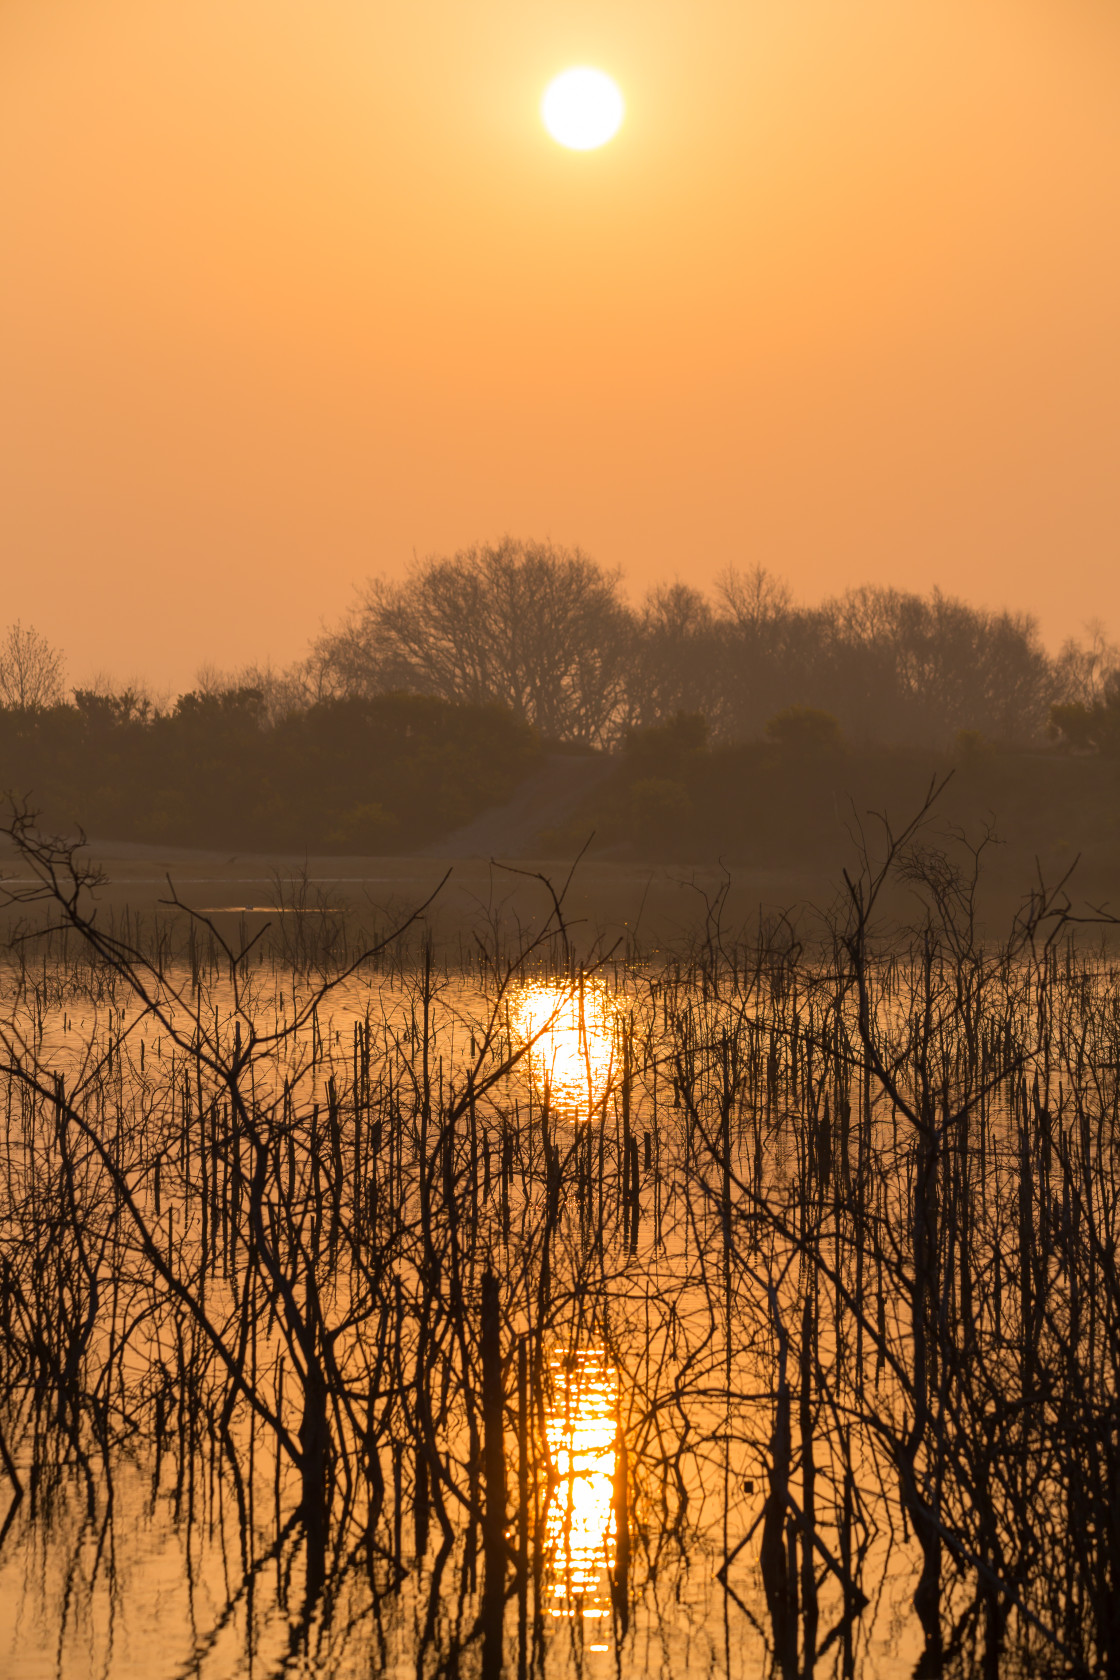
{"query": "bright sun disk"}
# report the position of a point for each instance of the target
(582, 108)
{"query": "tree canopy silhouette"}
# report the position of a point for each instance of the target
(527, 625)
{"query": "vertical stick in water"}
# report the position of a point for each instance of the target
(522, 1504)
(808, 1485)
(494, 1474)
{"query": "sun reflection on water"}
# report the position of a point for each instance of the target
(581, 1523)
(571, 1031)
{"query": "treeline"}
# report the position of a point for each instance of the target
(743, 722)
(547, 632)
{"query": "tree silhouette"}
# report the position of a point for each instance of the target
(30, 670)
(527, 625)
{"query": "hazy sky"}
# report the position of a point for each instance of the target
(292, 289)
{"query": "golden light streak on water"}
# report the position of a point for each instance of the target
(572, 1035)
(581, 1523)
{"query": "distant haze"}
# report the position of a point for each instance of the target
(291, 290)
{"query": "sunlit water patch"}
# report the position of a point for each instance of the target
(571, 1034)
(582, 1518)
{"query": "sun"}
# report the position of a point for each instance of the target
(582, 108)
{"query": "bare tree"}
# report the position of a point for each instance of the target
(771, 650)
(753, 597)
(282, 693)
(1084, 670)
(30, 670)
(934, 665)
(528, 625)
(679, 656)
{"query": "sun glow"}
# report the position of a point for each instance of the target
(582, 108)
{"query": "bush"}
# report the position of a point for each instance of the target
(345, 775)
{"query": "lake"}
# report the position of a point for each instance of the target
(733, 1309)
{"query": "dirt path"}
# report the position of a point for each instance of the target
(543, 801)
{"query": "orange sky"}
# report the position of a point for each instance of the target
(290, 289)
